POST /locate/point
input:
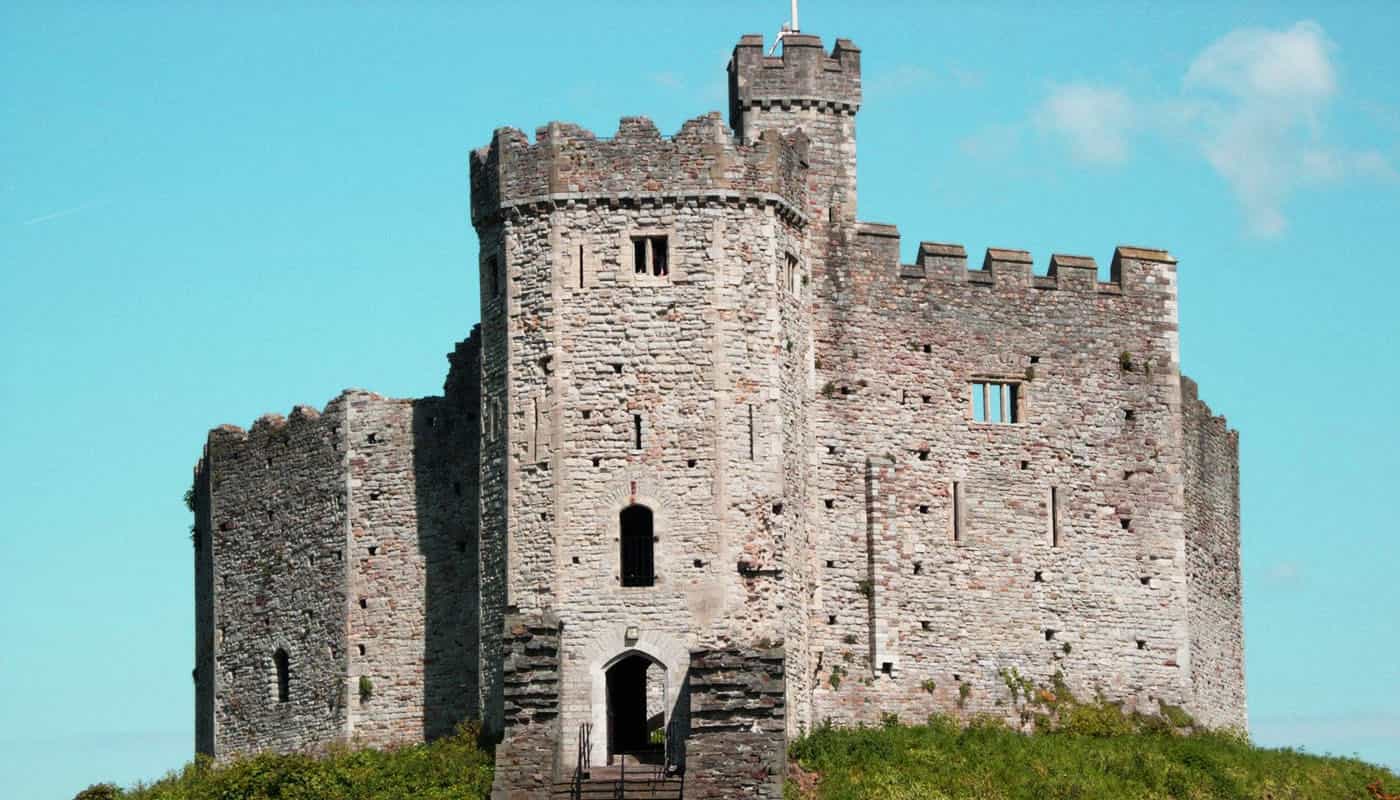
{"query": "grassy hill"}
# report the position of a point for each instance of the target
(453, 768)
(1091, 753)
(987, 761)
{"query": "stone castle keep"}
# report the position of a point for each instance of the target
(715, 467)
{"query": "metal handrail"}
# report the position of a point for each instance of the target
(584, 764)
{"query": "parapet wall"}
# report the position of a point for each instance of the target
(702, 162)
(1214, 590)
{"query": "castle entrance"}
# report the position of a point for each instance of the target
(636, 708)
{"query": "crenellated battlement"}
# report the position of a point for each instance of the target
(804, 76)
(1132, 269)
(702, 162)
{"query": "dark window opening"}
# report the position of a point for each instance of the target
(830, 502)
(923, 455)
(493, 275)
(698, 563)
(792, 273)
(923, 509)
(1035, 359)
(364, 603)
(284, 675)
(957, 512)
(651, 254)
(575, 559)
(690, 462)
(1049, 634)
(887, 668)
(1054, 516)
(580, 266)
(617, 369)
(1039, 577)
(918, 567)
(830, 564)
(1129, 414)
(831, 619)
(928, 348)
(359, 648)
(638, 546)
(1025, 465)
(597, 461)
(374, 550)
(1125, 523)
(1142, 644)
(1145, 580)
(926, 625)
(637, 431)
(777, 509)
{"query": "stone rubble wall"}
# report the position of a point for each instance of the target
(412, 617)
(738, 739)
(907, 617)
(278, 513)
(1214, 591)
(693, 353)
(527, 759)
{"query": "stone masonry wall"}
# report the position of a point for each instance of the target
(527, 759)
(910, 613)
(1213, 563)
(278, 514)
(738, 745)
(696, 358)
(411, 614)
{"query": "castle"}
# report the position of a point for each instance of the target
(716, 467)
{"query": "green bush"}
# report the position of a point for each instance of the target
(452, 768)
(989, 761)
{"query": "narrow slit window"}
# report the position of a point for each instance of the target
(637, 431)
(638, 542)
(282, 664)
(792, 273)
(580, 266)
(751, 446)
(493, 275)
(957, 511)
(1054, 516)
(996, 402)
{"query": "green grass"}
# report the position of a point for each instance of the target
(453, 768)
(987, 761)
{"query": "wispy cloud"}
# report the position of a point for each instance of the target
(992, 142)
(1093, 120)
(1287, 574)
(1253, 103)
(60, 214)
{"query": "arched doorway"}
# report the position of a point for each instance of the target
(636, 698)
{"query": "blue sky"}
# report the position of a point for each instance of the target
(207, 214)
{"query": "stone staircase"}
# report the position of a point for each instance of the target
(636, 780)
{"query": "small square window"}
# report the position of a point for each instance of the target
(651, 255)
(997, 402)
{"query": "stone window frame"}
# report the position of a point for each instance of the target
(636, 487)
(675, 265)
(1018, 405)
(791, 272)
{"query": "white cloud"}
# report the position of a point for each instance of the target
(1254, 105)
(1094, 121)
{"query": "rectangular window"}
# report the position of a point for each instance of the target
(651, 254)
(1054, 516)
(751, 432)
(791, 275)
(997, 402)
(637, 431)
(580, 266)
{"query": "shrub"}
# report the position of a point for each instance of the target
(366, 688)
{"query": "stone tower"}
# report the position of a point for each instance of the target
(716, 466)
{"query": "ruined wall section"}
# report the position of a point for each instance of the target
(1214, 592)
(411, 610)
(913, 618)
(692, 361)
(278, 513)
